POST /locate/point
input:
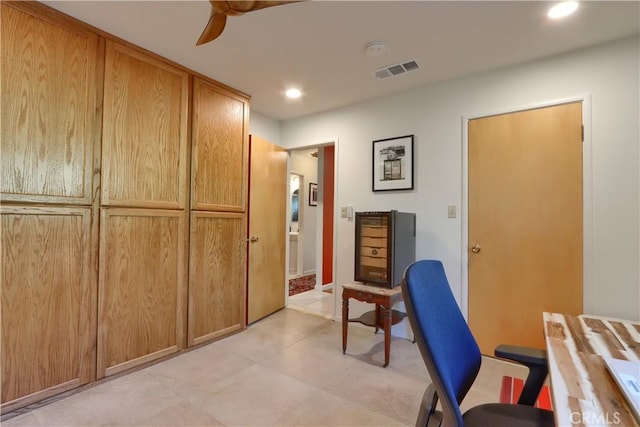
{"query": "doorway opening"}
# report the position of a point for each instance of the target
(296, 183)
(311, 230)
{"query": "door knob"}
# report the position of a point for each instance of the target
(253, 239)
(475, 249)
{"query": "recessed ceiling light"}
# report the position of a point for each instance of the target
(293, 93)
(563, 9)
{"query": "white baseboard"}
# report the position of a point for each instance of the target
(321, 287)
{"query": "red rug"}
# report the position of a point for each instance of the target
(302, 284)
(512, 387)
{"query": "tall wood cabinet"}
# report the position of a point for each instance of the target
(220, 144)
(144, 133)
(217, 271)
(120, 173)
(50, 120)
(48, 326)
(142, 281)
(143, 217)
(50, 109)
(217, 254)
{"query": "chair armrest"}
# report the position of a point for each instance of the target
(525, 355)
(534, 359)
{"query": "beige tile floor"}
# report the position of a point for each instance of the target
(285, 370)
(314, 302)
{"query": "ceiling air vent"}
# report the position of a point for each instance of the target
(396, 69)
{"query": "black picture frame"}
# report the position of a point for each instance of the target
(313, 194)
(392, 164)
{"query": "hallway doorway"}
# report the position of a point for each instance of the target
(310, 254)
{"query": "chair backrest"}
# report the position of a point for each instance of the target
(448, 348)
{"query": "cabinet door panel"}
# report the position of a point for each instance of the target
(46, 302)
(141, 287)
(144, 145)
(217, 275)
(49, 80)
(220, 141)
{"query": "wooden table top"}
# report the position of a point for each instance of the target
(373, 289)
(584, 393)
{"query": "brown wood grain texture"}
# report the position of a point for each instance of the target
(45, 300)
(604, 387)
(219, 149)
(574, 406)
(51, 153)
(614, 346)
(570, 374)
(48, 14)
(525, 213)
(584, 391)
(630, 343)
(141, 276)
(144, 144)
(555, 330)
(50, 76)
(217, 274)
(578, 334)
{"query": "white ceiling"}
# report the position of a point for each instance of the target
(319, 45)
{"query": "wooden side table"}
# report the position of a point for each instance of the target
(382, 317)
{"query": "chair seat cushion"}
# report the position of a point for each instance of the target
(497, 415)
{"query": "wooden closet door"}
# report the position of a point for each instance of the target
(220, 142)
(144, 144)
(48, 329)
(50, 82)
(141, 286)
(216, 275)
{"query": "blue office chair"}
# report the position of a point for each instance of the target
(453, 358)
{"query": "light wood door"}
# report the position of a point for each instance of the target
(267, 229)
(47, 287)
(217, 273)
(525, 216)
(142, 286)
(50, 80)
(144, 142)
(219, 158)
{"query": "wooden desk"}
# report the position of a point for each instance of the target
(382, 317)
(584, 393)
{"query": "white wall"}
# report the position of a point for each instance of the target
(308, 168)
(265, 127)
(609, 73)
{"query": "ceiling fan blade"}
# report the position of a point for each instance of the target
(214, 28)
(220, 9)
(248, 6)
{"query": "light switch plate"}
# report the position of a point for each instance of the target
(451, 211)
(343, 212)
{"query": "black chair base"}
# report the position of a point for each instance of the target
(500, 415)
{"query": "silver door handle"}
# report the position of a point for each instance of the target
(475, 249)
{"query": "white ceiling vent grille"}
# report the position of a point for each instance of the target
(396, 69)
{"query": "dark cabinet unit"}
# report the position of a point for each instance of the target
(385, 246)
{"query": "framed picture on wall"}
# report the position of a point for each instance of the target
(393, 164)
(313, 194)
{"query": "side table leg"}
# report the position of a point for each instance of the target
(345, 323)
(387, 313)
